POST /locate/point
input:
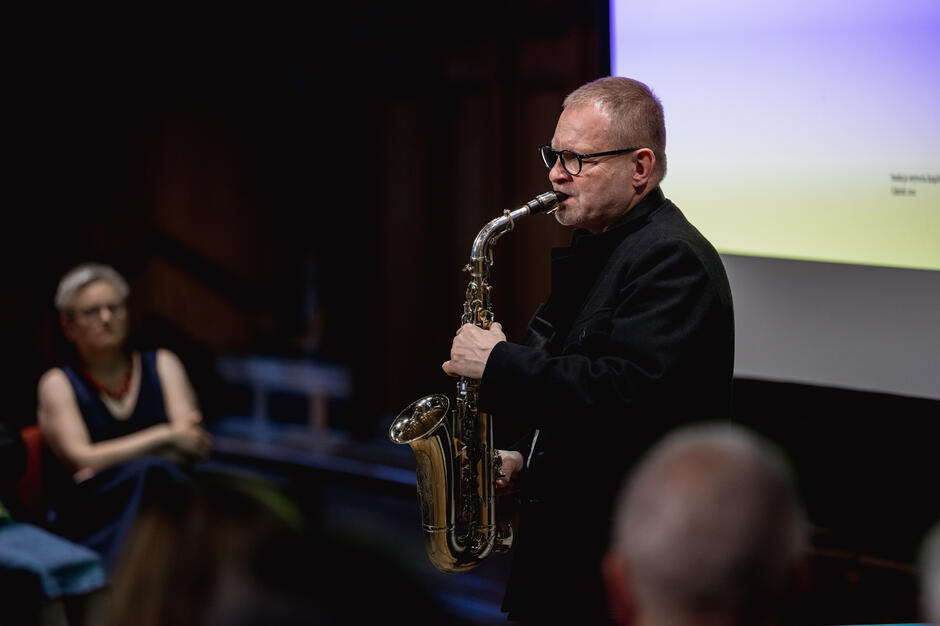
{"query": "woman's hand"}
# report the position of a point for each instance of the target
(188, 437)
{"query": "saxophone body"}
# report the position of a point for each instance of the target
(456, 462)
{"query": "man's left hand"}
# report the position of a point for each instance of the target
(471, 349)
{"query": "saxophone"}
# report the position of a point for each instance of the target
(456, 462)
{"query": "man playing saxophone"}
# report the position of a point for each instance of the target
(636, 337)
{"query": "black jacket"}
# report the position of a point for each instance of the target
(636, 338)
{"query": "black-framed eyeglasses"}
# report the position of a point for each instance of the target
(572, 161)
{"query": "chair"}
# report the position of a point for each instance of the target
(30, 487)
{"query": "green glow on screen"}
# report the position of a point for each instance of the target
(876, 224)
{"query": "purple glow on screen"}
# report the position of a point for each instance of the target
(836, 95)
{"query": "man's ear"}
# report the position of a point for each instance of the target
(643, 171)
(619, 593)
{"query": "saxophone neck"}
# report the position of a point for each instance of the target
(543, 203)
(493, 230)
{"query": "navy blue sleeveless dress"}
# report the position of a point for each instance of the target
(101, 424)
(100, 511)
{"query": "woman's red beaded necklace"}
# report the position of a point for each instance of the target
(115, 394)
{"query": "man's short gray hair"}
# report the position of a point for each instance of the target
(79, 277)
(635, 113)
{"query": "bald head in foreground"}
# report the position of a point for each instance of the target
(708, 530)
(930, 576)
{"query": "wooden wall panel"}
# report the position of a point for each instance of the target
(488, 101)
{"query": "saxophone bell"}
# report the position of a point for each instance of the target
(419, 419)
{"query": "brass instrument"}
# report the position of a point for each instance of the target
(456, 460)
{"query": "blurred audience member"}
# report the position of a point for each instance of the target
(240, 552)
(122, 422)
(708, 530)
(930, 576)
(44, 579)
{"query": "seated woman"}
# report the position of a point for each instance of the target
(124, 424)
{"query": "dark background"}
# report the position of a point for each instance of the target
(232, 166)
(235, 166)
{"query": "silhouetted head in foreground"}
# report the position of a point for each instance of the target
(708, 530)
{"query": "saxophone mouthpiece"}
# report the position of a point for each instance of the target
(559, 198)
(546, 202)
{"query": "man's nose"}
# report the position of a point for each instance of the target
(558, 173)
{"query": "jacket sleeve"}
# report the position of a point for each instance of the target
(633, 351)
